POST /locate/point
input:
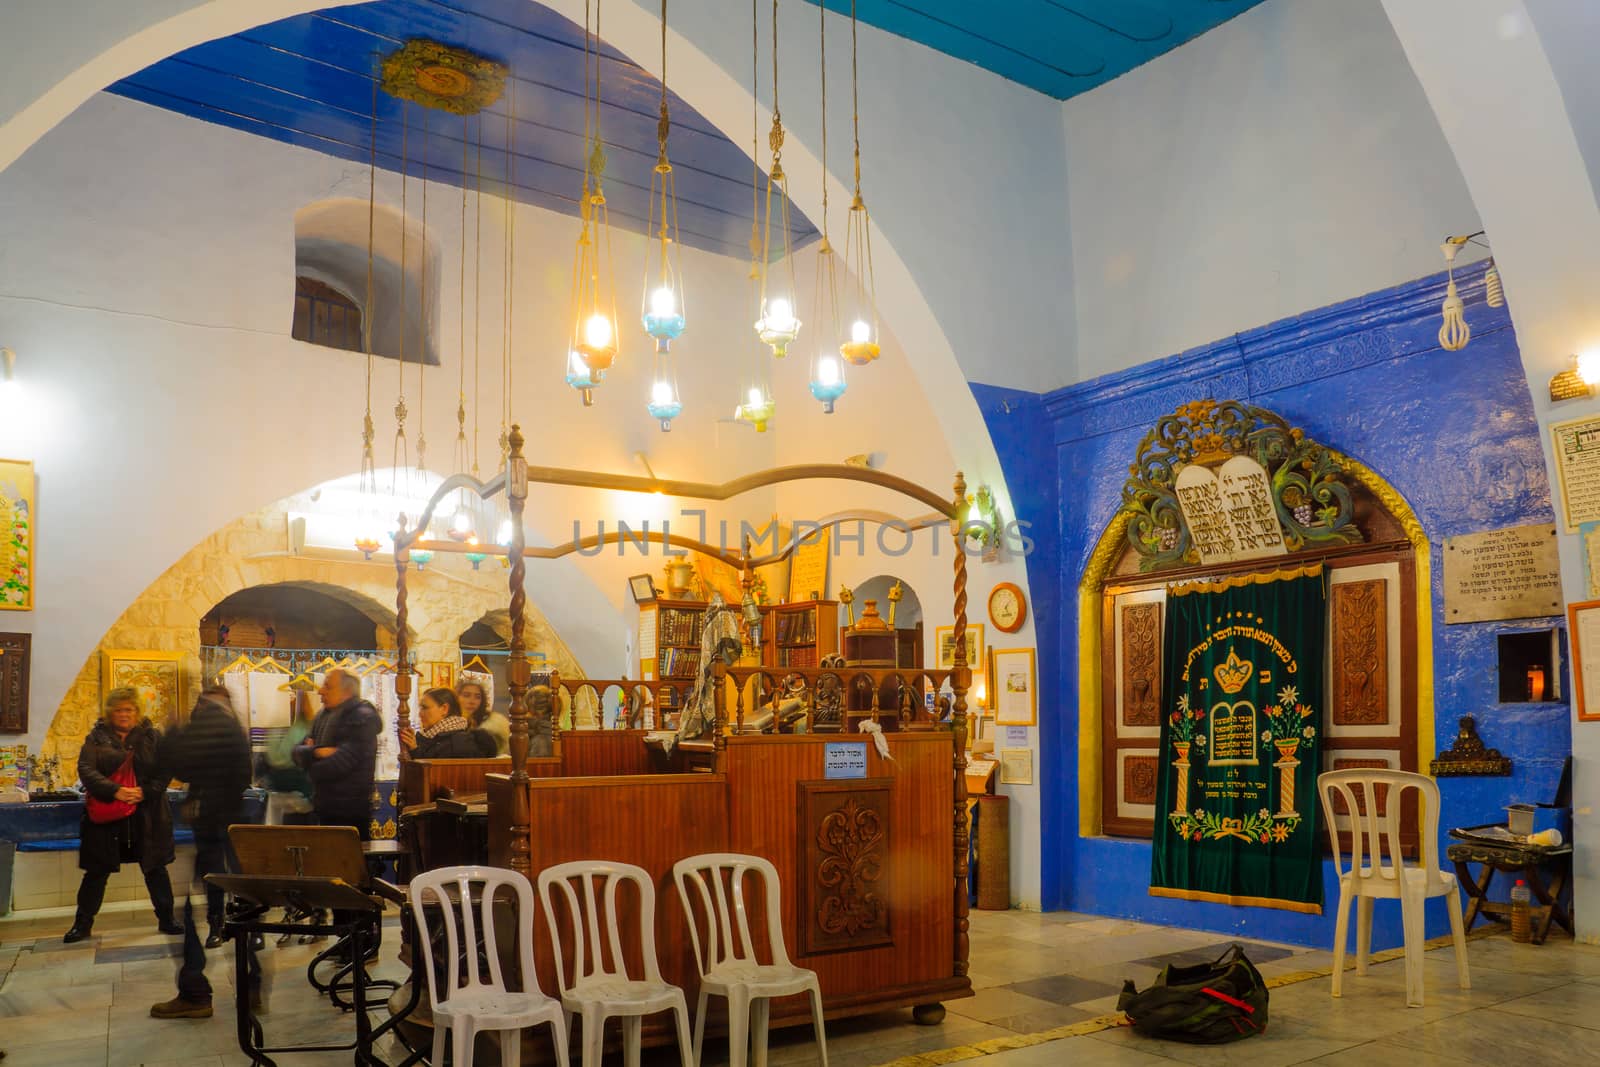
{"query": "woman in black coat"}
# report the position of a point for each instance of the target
(444, 734)
(145, 837)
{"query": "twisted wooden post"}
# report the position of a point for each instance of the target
(960, 680)
(402, 644)
(719, 740)
(560, 698)
(516, 497)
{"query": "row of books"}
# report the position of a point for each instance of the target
(679, 627)
(797, 657)
(679, 662)
(796, 628)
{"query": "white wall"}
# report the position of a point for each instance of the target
(1284, 161)
(146, 287)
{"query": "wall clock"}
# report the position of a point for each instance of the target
(1008, 608)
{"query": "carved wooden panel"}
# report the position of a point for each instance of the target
(1360, 667)
(1141, 664)
(15, 650)
(1139, 779)
(844, 854)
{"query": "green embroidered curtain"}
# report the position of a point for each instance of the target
(1236, 801)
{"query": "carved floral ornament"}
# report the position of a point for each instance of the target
(1313, 506)
(443, 77)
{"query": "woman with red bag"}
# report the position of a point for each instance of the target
(125, 818)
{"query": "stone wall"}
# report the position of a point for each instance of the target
(445, 599)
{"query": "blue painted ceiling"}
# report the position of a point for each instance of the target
(1057, 47)
(307, 81)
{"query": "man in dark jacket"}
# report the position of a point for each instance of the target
(212, 753)
(341, 758)
(341, 754)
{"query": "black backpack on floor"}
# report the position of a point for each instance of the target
(1206, 1004)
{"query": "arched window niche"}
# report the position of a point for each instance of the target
(1378, 693)
(330, 268)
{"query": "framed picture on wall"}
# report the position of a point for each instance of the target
(441, 674)
(642, 587)
(1015, 683)
(156, 676)
(17, 512)
(1583, 633)
(15, 650)
(946, 636)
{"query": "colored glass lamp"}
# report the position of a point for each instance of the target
(580, 377)
(664, 402)
(756, 408)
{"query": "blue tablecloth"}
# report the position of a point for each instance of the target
(50, 826)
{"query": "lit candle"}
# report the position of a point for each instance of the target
(860, 332)
(663, 303)
(597, 331)
(755, 397)
(827, 371)
(780, 315)
(661, 393)
(1535, 683)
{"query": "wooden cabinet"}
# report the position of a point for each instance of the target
(669, 650)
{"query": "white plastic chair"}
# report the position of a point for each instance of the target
(475, 1003)
(727, 957)
(1377, 868)
(598, 985)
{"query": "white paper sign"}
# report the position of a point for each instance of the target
(1016, 735)
(844, 759)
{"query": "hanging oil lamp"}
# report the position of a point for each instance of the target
(663, 303)
(755, 404)
(827, 372)
(862, 347)
(777, 326)
(594, 298)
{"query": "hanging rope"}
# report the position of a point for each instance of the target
(400, 456)
(462, 451)
(755, 139)
(477, 298)
(822, 23)
(366, 315)
(855, 97)
(422, 340)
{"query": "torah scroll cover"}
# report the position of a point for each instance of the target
(1236, 800)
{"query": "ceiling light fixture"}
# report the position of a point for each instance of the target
(862, 347)
(663, 310)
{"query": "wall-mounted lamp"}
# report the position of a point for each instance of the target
(1577, 382)
(980, 521)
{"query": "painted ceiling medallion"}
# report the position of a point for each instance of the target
(444, 77)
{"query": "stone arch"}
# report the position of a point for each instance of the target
(248, 553)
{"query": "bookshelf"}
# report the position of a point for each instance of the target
(799, 635)
(669, 650)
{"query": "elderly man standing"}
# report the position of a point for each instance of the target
(341, 754)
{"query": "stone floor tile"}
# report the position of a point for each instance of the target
(1286, 1041)
(1506, 1037)
(77, 1052)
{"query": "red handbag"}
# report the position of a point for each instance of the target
(103, 811)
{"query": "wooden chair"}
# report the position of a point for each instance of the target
(598, 985)
(469, 1000)
(728, 957)
(1378, 869)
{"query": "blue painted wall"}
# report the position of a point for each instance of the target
(1453, 432)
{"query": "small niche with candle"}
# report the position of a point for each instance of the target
(1528, 667)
